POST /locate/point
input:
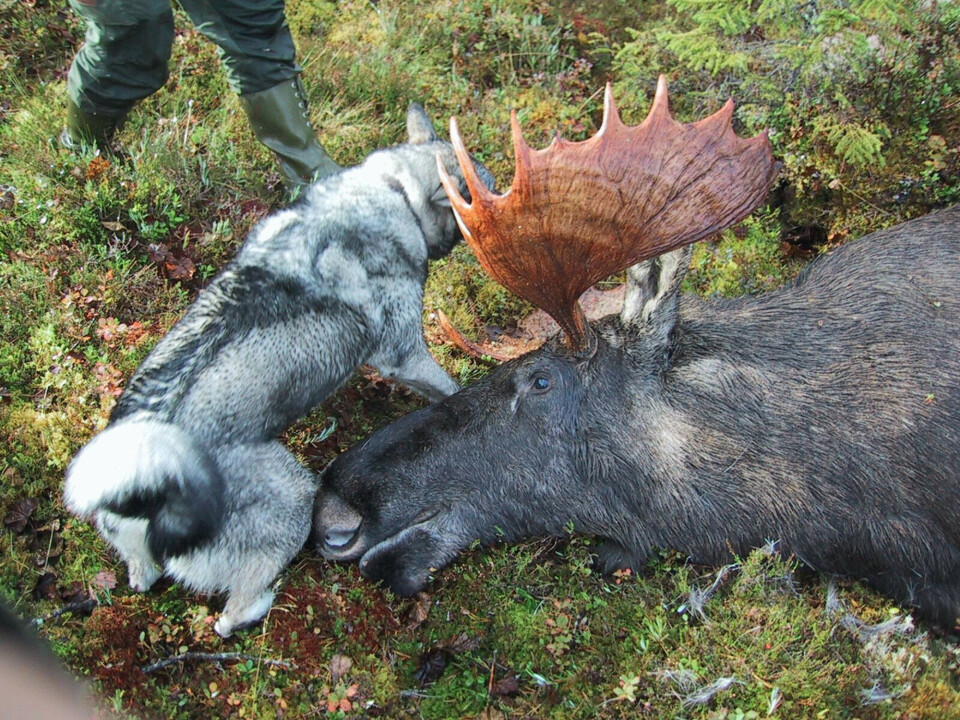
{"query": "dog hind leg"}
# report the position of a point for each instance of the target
(243, 609)
(128, 536)
(271, 505)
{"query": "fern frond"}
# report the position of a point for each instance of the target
(857, 145)
(699, 50)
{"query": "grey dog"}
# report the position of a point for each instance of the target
(188, 474)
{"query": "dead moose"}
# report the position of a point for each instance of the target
(824, 416)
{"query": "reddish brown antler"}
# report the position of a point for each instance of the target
(578, 212)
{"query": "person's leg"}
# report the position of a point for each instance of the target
(258, 54)
(123, 59)
(279, 119)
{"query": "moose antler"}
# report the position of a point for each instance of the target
(578, 212)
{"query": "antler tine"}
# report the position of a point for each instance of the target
(521, 155)
(469, 215)
(475, 186)
(580, 211)
(611, 116)
(661, 100)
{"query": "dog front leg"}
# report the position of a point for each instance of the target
(421, 373)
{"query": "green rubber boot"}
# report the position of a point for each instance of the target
(279, 119)
(82, 129)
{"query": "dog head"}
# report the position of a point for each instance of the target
(413, 167)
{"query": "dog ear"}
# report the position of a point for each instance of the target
(440, 198)
(419, 128)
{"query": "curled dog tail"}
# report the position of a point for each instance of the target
(152, 470)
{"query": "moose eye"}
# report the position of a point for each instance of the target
(541, 383)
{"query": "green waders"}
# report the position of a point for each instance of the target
(125, 56)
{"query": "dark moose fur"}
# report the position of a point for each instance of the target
(824, 416)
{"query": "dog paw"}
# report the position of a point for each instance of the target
(241, 613)
(142, 575)
(223, 627)
(226, 626)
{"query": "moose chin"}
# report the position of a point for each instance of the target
(824, 415)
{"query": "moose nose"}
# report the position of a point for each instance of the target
(340, 522)
(338, 538)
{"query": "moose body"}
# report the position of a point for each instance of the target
(824, 416)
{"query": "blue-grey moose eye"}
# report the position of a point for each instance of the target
(541, 383)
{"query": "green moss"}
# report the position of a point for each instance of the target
(459, 287)
(748, 260)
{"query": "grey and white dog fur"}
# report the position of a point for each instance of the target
(189, 474)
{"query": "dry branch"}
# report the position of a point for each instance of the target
(211, 657)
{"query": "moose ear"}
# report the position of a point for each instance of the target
(419, 128)
(651, 297)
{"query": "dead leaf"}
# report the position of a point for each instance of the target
(46, 587)
(16, 519)
(113, 226)
(97, 168)
(507, 687)
(491, 713)
(158, 252)
(207, 238)
(419, 611)
(464, 643)
(105, 580)
(75, 592)
(339, 666)
(431, 665)
(52, 526)
(46, 546)
(434, 661)
(180, 268)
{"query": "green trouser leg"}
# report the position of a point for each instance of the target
(123, 59)
(278, 117)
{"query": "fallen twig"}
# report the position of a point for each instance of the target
(210, 657)
(468, 346)
(79, 607)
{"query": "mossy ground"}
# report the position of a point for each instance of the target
(101, 256)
